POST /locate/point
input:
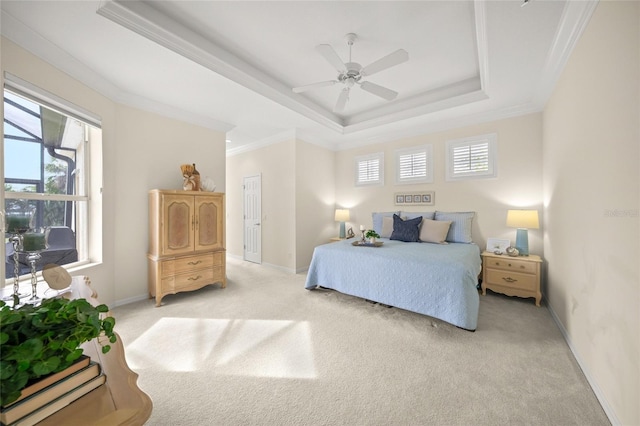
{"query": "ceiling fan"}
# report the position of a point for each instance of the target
(352, 73)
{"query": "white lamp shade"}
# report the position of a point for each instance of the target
(525, 219)
(342, 215)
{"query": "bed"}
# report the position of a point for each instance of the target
(438, 280)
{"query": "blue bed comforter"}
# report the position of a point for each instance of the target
(430, 279)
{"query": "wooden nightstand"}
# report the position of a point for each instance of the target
(334, 239)
(513, 276)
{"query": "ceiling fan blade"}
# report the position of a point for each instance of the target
(392, 59)
(314, 86)
(342, 100)
(332, 57)
(377, 90)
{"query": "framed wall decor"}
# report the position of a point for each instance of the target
(497, 245)
(422, 198)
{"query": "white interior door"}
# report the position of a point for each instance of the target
(252, 218)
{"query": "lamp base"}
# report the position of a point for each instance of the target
(343, 234)
(522, 242)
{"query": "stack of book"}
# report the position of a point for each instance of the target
(53, 393)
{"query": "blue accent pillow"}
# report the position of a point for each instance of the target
(406, 230)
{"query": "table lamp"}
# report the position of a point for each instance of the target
(342, 215)
(523, 220)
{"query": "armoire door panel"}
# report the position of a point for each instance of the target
(179, 219)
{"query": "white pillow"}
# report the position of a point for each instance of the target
(387, 227)
(434, 231)
(377, 220)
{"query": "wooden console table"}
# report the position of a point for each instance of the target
(119, 401)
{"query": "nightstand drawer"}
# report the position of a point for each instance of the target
(514, 265)
(512, 279)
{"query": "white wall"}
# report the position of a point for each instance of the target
(140, 151)
(315, 200)
(150, 150)
(298, 201)
(518, 185)
(276, 165)
(591, 194)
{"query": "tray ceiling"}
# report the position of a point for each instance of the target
(232, 65)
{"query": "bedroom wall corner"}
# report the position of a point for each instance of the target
(315, 200)
(591, 129)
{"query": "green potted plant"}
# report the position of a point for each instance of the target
(371, 235)
(36, 341)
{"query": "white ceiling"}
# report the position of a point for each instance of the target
(231, 65)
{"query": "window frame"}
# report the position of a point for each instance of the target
(379, 156)
(90, 123)
(491, 171)
(427, 177)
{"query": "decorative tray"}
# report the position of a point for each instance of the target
(366, 244)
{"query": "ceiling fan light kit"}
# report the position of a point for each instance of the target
(351, 73)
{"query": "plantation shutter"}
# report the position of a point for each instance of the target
(369, 169)
(472, 158)
(413, 165)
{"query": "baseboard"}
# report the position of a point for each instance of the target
(270, 265)
(130, 300)
(594, 385)
(234, 256)
(280, 268)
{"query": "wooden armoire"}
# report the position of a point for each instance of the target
(186, 241)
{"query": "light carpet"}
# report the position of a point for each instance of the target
(265, 351)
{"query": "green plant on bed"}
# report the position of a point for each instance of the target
(36, 341)
(371, 234)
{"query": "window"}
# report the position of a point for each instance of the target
(46, 158)
(370, 169)
(414, 165)
(471, 158)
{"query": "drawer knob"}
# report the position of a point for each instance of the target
(195, 278)
(509, 279)
(195, 263)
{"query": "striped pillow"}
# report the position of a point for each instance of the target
(413, 215)
(460, 229)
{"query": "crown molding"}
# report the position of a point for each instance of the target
(33, 42)
(575, 18)
(287, 135)
(442, 125)
(146, 21)
(169, 111)
(481, 42)
(392, 135)
(453, 95)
